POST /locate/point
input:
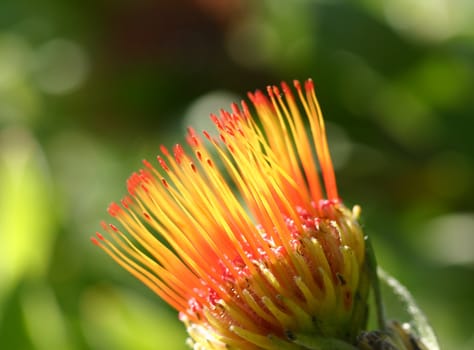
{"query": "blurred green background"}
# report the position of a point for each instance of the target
(89, 88)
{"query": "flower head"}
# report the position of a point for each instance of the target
(242, 234)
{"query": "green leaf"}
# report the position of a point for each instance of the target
(417, 318)
(26, 217)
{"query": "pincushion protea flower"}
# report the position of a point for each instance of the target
(242, 234)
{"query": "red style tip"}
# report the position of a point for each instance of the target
(225, 116)
(309, 85)
(193, 141)
(147, 164)
(99, 236)
(114, 209)
(191, 131)
(245, 108)
(192, 138)
(297, 85)
(216, 121)
(276, 90)
(178, 153)
(236, 110)
(132, 183)
(261, 99)
(270, 90)
(95, 241)
(251, 97)
(285, 87)
(162, 163)
(126, 202)
(164, 150)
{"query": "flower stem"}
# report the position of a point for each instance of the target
(372, 264)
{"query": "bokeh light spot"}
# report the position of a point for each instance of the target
(448, 239)
(60, 66)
